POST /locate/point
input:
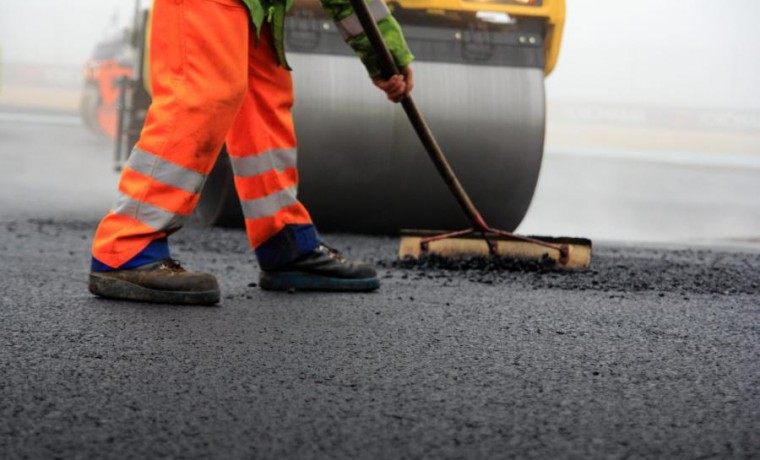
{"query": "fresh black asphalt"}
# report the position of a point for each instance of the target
(654, 354)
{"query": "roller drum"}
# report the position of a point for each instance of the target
(364, 170)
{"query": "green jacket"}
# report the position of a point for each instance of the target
(273, 11)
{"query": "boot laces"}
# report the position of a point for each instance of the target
(171, 265)
(334, 254)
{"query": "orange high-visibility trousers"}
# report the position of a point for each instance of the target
(210, 82)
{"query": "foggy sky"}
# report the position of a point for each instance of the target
(692, 54)
(58, 31)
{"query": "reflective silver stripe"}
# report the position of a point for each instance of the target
(165, 172)
(270, 204)
(350, 25)
(253, 165)
(150, 215)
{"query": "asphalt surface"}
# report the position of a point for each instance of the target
(654, 353)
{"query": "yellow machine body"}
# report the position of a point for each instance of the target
(551, 11)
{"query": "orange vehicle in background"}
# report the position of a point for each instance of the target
(111, 60)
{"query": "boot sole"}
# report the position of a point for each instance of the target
(286, 281)
(124, 290)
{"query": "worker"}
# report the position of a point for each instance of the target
(219, 74)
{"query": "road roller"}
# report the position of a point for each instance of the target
(479, 78)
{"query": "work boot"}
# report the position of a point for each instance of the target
(164, 281)
(321, 270)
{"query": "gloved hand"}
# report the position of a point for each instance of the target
(398, 86)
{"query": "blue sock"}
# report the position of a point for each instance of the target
(155, 251)
(287, 245)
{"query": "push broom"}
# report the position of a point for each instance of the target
(481, 239)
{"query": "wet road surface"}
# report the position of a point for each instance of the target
(654, 353)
